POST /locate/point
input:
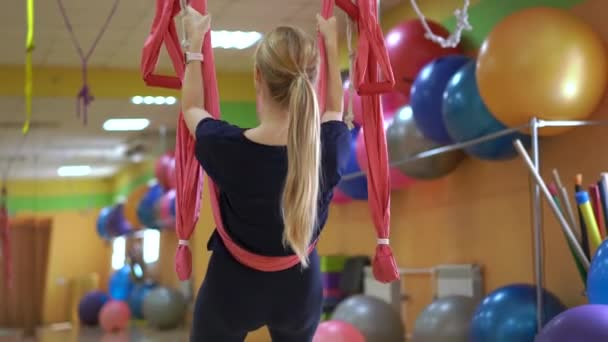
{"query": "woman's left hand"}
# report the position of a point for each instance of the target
(197, 25)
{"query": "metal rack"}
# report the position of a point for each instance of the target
(534, 126)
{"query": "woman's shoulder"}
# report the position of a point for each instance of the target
(210, 127)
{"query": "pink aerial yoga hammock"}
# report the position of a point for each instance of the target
(371, 55)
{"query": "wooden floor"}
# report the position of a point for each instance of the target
(67, 334)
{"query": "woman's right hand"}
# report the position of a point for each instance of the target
(197, 25)
(328, 29)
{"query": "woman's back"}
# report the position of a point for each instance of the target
(251, 178)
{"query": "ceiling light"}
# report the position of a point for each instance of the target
(170, 100)
(137, 100)
(74, 171)
(234, 39)
(126, 124)
(159, 100)
(149, 100)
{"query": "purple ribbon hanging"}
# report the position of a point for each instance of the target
(84, 96)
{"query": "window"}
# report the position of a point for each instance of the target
(119, 247)
(151, 246)
(143, 245)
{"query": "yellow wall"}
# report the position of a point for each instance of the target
(75, 251)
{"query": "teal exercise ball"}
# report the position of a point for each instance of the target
(508, 314)
(466, 117)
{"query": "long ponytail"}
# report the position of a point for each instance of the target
(301, 190)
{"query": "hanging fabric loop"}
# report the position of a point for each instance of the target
(84, 96)
(372, 75)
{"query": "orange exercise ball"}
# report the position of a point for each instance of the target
(131, 204)
(542, 62)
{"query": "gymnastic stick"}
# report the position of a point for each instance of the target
(565, 199)
(560, 217)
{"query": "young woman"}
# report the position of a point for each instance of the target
(275, 182)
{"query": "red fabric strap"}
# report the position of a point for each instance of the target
(371, 59)
(188, 170)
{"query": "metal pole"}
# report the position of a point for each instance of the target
(556, 209)
(537, 226)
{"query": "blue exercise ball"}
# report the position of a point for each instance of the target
(136, 299)
(355, 188)
(427, 96)
(121, 284)
(466, 117)
(509, 314)
(146, 210)
(597, 279)
(117, 224)
(102, 223)
(89, 307)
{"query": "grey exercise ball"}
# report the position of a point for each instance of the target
(404, 140)
(164, 308)
(376, 319)
(447, 319)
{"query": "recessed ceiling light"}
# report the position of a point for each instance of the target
(159, 100)
(137, 100)
(74, 171)
(125, 124)
(153, 100)
(170, 100)
(234, 39)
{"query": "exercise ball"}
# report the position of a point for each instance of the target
(466, 117)
(587, 323)
(397, 179)
(131, 204)
(164, 308)
(391, 102)
(337, 331)
(357, 108)
(355, 188)
(427, 96)
(146, 208)
(544, 62)
(404, 140)
(508, 314)
(121, 284)
(136, 299)
(102, 223)
(376, 319)
(447, 319)
(89, 307)
(167, 219)
(409, 50)
(114, 316)
(597, 279)
(117, 224)
(339, 197)
(162, 170)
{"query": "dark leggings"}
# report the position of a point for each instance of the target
(235, 300)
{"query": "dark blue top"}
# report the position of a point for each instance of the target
(251, 177)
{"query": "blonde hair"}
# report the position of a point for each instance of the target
(287, 60)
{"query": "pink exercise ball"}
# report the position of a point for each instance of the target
(340, 197)
(409, 51)
(391, 102)
(114, 316)
(337, 331)
(398, 179)
(164, 171)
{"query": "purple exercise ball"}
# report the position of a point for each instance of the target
(588, 323)
(90, 305)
